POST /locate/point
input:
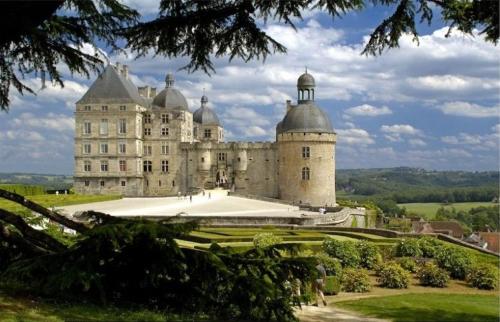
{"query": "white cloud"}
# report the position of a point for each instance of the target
(395, 133)
(475, 141)
(55, 122)
(354, 137)
(469, 110)
(368, 110)
(417, 142)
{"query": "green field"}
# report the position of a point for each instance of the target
(428, 210)
(49, 201)
(428, 307)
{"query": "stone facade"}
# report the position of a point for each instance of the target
(137, 142)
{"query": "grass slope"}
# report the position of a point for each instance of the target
(429, 209)
(429, 307)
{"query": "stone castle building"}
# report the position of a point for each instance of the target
(137, 142)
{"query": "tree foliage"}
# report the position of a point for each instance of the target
(200, 30)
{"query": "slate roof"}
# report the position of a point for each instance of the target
(112, 87)
(171, 98)
(306, 117)
(206, 116)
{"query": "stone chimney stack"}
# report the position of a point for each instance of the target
(119, 68)
(125, 71)
(288, 105)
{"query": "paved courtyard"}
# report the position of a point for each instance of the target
(219, 204)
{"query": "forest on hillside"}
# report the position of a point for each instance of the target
(404, 185)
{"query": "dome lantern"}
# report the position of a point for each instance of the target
(305, 87)
(169, 80)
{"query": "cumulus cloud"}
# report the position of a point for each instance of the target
(469, 110)
(395, 133)
(367, 110)
(417, 142)
(354, 136)
(54, 122)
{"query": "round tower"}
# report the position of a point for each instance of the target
(306, 150)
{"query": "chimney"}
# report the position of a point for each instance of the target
(144, 91)
(153, 92)
(288, 105)
(118, 67)
(125, 71)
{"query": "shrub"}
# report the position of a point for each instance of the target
(345, 251)
(332, 285)
(392, 275)
(432, 275)
(263, 240)
(483, 277)
(332, 265)
(429, 245)
(408, 264)
(355, 280)
(455, 260)
(407, 248)
(369, 254)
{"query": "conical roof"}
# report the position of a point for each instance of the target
(170, 97)
(306, 118)
(205, 115)
(112, 87)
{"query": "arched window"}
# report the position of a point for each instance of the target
(305, 173)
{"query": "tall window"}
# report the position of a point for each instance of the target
(165, 118)
(87, 167)
(147, 131)
(104, 148)
(122, 126)
(147, 118)
(86, 148)
(164, 166)
(102, 183)
(306, 152)
(164, 149)
(104, 166)
(164, 131)
(208, 133)
(123, 108)
(87, 127)
(195, 132)
(87, 108)
(104, 108)
(305, 173)
(148, 166)
(123, 165)
(221, 156)
(122, 148)
(103, 129)
(148, 150)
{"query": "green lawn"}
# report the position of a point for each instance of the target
(56, 200)
(429, 307)
(428, 210)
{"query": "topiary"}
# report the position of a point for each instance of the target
(407, 248)
(263, 240)
(428, 245)
(345, 251)
(455, 260)
(483, 277)
(332, 265)
(369, 254)
(355, 280)
(431, 275)
(392, 275)
(408, 264)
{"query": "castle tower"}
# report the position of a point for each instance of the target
(306, 150)
(207, 126)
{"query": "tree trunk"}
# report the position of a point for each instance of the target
(32, 235)
(52, 215)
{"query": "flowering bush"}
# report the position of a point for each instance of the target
(455, 260)
(429, 245)
(407, 248)
(392, 275)
(483, 277)
(355, 280)
(332, 265)
(408, 264)
(369, 254)
(345, 251)
(431, 275)
(263, 240)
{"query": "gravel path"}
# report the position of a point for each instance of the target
(330, 314)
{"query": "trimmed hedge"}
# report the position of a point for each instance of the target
(431, 275)
(392, 275)
(345, 251)
(483, 277)
(355, 280)
(263, 240)
(333, 285)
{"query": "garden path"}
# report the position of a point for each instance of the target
(331, 314)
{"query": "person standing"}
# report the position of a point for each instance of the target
(319, 283)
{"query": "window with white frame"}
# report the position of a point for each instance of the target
(306, 152)
(148, 150)
(165, 118)
(87, 127)
(306, 173)
(103, 128)
(164, 149)
(104, 166)
(122, 126)
(208, 133)
(87, 148)
(122, 148)
(87, 166)
(164, 131)
(103, 148)
(148, 166)
(164, 166)
(123, 165)
(147, 118)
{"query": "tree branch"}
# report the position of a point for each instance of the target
(52, 215)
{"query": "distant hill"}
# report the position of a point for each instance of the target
(48, 181)
(418, 185)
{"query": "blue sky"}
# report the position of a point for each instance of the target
(433, 105)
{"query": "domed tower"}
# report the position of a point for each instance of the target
(207, 126)
(306, 150)
(171, 97)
